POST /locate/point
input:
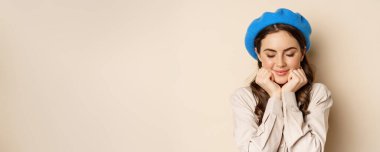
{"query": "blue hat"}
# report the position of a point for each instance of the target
(282, 15)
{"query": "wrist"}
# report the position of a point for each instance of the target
(276, 94)
(287, 90)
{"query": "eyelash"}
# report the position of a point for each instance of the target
(289, 55)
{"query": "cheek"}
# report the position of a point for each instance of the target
(294, 63)
(268, 64)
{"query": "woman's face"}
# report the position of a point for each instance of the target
(280, 53)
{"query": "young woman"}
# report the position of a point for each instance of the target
(282, 110)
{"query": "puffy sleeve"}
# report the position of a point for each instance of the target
(248, 136)
(310, 134)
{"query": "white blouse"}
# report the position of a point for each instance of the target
(283, 128)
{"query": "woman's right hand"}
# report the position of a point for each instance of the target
(265, 80)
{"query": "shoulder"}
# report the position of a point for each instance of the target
(243, 95)
(320, 94)
(320, 89)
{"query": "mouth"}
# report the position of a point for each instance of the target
(281, 72)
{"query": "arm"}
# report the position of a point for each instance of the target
(250, 137)
(308, 135)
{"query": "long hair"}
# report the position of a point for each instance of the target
(302, 94)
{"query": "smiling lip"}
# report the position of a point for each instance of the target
(281, 72)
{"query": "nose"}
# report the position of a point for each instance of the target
(280, 62)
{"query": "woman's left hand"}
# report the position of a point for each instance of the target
(296, 80)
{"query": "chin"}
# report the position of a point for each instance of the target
(280, 80)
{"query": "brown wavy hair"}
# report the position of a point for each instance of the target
(302, 94)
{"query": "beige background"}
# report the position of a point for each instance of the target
(140, 76)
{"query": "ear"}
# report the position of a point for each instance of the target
(258, 55)
(303, 53)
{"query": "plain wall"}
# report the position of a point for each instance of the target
(140, 76)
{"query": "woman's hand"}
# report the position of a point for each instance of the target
(296, 80)
(265, 80)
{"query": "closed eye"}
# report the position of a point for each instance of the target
(290, 55)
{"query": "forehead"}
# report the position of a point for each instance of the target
(279, 41)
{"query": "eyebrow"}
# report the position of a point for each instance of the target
(272, 50)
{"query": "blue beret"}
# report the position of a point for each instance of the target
(282, 15)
